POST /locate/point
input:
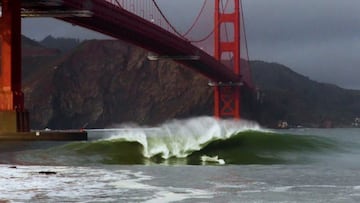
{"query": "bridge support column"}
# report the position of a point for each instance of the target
(13, 116)
(227, 100)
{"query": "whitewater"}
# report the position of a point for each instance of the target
(178, 138)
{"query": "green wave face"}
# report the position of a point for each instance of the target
(249, 147)
(254, 147)
(106, 152)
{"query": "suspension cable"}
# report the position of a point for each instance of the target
(246, 45)
(204, 38)
(212, 31)
(190, 28)
(167, 21)
(243, 23)
(196, 19)
(118, 3)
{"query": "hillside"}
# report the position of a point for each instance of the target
(35, 56)
(297, 99)
(62, 44)
(102, 83)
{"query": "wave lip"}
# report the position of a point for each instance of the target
(179, 138)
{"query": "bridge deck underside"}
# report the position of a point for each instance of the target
(117, 22)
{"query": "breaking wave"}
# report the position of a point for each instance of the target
(188, 142)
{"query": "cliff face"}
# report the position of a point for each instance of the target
(108, 82)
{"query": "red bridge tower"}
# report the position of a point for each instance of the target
(13, 117)
(227, 94)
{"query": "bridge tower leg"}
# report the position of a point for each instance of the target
(227, 97)
(13, 116)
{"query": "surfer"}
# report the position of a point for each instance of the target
(213, 159)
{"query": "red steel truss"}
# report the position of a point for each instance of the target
(227, 94)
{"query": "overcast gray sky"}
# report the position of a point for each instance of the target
(317, 38)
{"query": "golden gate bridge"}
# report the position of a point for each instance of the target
(218, 52)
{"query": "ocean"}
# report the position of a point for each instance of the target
(192, 160)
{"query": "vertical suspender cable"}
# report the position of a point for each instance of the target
(246, 45)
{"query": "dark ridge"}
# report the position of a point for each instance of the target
(60, 43)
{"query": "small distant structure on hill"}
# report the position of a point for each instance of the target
(283, 124)
(356, 122)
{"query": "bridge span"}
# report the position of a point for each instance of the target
(111, 18)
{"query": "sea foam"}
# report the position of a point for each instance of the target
(179, 138)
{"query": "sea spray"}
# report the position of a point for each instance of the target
(179, 138)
